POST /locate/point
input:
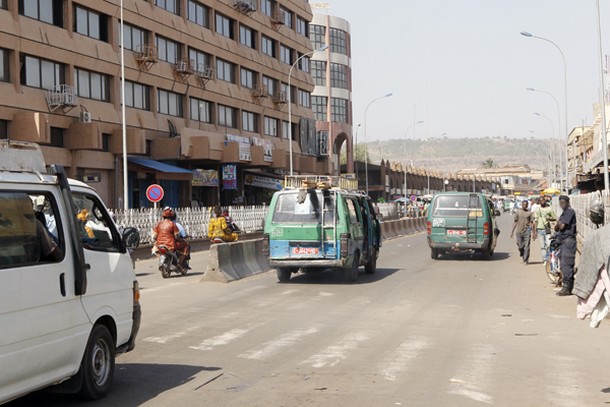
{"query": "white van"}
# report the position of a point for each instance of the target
(69, 299)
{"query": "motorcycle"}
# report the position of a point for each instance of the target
(168, 262)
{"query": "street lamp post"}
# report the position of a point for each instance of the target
(405, 152)
(123, 123)
(356, 150)
(324, 48)
(553, 137)
(602, 99)
(565, 89)
(366, 152)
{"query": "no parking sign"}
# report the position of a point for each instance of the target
(155, 193)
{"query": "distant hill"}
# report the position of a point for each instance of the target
(453, 154)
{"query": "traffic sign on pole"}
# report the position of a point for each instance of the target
(155, 193)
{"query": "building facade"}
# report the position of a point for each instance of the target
(206, 86)
(331, 99)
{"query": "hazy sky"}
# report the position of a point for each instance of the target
(465, 65)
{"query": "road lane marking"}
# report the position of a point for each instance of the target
(283, 341)
(400, 360)
(336, 352)
(225, 338)
(475, 374)
(163, 340)
(288, 292)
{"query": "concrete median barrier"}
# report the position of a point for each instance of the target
(234, 261)
(403, 227)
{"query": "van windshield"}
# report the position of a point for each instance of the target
(304, 207)
(457, 206)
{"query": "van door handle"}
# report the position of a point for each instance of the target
(62, 284)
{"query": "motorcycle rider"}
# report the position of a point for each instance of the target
(566, 233)
(165, 233)
(182, 246)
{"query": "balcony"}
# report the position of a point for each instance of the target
(260, 92)
(245, 6)
(183, 69)
(63, 97)
(203, 74)
(278, 17)
(279, 99)
(147, 56)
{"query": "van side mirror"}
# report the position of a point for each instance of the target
(131, 238)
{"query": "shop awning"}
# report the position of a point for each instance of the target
(161, 168)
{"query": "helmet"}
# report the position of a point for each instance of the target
(596, 212)
(168, 212)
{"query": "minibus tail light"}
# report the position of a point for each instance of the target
(486, 229)
(344, 244)
(266, 245)
(429, 227)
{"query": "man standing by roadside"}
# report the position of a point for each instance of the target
(543, 216)
(566, 232)
(524, 226)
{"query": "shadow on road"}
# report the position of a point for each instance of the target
(336, 277)
(498, 256)
(134, 384)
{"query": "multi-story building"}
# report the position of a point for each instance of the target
(331, 99)
(205, 89)
(580, 145)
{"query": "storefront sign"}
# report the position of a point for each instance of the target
(245, 153)
(261, 181)
(205, 178)
(267, 146)
(229, 177)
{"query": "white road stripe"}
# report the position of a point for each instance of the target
(163, 340)
(470, 380)
(400, 360)
(284, 341)
(337, 352)
(225, 338)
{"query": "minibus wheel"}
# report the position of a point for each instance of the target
(97, 366)
(283, 274)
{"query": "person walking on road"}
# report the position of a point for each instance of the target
(524, 226)
(543, 216)
(566, 233)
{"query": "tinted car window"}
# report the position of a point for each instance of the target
(304, 207)
(457, 205)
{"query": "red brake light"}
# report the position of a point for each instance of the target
(486, 229)
(429, 227)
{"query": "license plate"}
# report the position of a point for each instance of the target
(305, 250)
(456, 232)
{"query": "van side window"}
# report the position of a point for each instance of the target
(353, 212)
(30, 231)
(94, 226)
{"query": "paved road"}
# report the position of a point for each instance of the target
(454, 332)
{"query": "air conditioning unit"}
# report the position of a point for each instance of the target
(85, 117)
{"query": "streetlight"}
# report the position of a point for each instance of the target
(602, 99)
(553, 137)
(550, 157)
(366, 152)
(123, 122)
(405, 151)
(356, 150)
(565, 90)
(561, 150)
(324, 48)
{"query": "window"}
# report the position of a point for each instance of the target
(248, 78)
(34, 236)
(57, 137)
(340, 111)
(169, 51)
(201, 110)
(95, 228)
(225, 70)
(338, 41)
(247, 36)
(455, 205)
(303, 27)
(270, 84)
(227, 116)
(290, 209)
(90, 23)
(304, 63)
(169, 5)
(4, 72)
(286, 55)
(106, 137)
(267, 7)
(353, 212)
(304, 98)
(318, 72)
(268, 46)
(48, 11)
(201, 60)
(169, 103)
(338, 76)
(317, 35)
(287, 16)
(3, 129)
(285, 130)
(224, 26)
(137, 95)
(41, 73)
(134, 38)
(92, 85)
(271, 126)
(198, 13)
(286, 91)
(3, 4)
(319, 105)
(249, 121)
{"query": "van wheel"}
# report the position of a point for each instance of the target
(283, 275)
(371, 265)
(97, 366)
(487, 254)
(351, 274)
(434, 254)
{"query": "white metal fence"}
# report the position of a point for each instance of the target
(389, 211)
(195, 221)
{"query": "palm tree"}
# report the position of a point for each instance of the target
(489, 163)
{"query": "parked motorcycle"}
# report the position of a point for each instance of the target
(168, 262)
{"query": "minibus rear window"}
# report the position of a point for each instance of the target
(457, 206)
(304, 207)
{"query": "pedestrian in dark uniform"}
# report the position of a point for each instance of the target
(566, 232)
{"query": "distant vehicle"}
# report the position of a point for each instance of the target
(461, 221)
(508, 205)
(319, 223)
(70, 298)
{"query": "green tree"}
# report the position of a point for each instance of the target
(489, 163)
(359, 154)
